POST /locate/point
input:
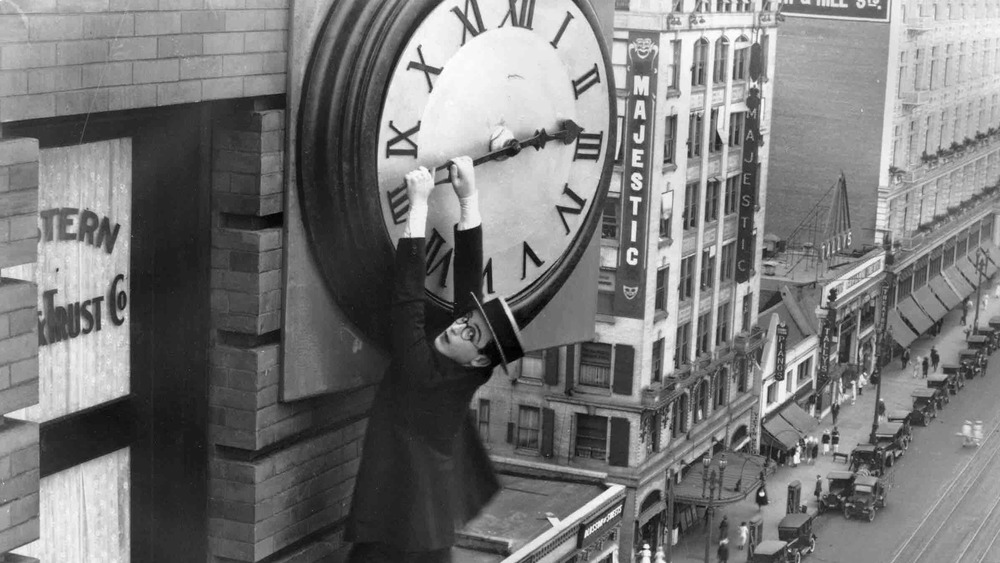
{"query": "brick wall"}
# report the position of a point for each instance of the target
(281, 474)
(63, 57)
(19, 450)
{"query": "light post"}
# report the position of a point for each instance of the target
(979, 287)
(828, 322)
(669, 520)
(888, 281)
(711, 481)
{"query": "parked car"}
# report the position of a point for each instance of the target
(925, 406)
(870, 458)
(894, 437)
(839, 485)
(868, 496)
(797, 530)
(775, 551)
(955, 372)
(980, 342)
(903, 417)
(942, 382)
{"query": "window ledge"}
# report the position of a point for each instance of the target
(529, 381)
(527, 452)
(585, 389)
(660, 315)
(669, 167)
(666, 241)
(606, 319)
(673, 93)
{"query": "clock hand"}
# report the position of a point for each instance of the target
(567, 134)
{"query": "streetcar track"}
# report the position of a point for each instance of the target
(975, 534)
(967, 485)
(989, 548)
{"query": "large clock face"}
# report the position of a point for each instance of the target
(397, 84)
(473, 66)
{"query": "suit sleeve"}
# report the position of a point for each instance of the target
(410, 349)
(468, 268)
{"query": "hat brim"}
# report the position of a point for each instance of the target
(493, 332)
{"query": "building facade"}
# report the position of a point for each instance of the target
(911, 117)
(669, 376)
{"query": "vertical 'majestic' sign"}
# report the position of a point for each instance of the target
(640, 111)
(745, 244)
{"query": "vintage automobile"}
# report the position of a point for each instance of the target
(944, 382)
(980, 342)
(903, 417)
(976, 358)
(869, 495)
(839, 485)
(871, 458)
(894, 437)
(924, 406)
(797, 530)
(955, 373)
(775, 551)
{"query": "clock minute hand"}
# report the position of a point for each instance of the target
(567, 134)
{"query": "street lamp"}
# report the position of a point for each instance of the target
(882, 335)
(711, 481)
(980, 266)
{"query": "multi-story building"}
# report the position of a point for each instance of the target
(669, 377)
(902, 97)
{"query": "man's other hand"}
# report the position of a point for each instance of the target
(419, 185)
(462, 174)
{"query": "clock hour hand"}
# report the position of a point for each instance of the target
(566, 135)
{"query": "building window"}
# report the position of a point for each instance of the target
(722, 324)
(484, 419)
(747, 311)
(606, 291)
(528, 425)
(700, 400)
(732, 194)
(740, 59)
(918, 68)
(704, 330)
(715, 139)
(947, 65)
(727, 262)
(685, 289)
(804, 371)
(772, 393)
(674, 72)
(660, 303)
(670, 140)
(707, 269)
(695, 123)
(700, 60)
(719, 384)
(682, 354)
(666, 214)
(595, 364)
(679, 416)
(712, 201)
(721, 54)
(690, 219)
(789, 375)
(533, 365)
(765, 53)
(736, 128)
(591, 436)
(657, 374)
(934, 79)
(609, 219)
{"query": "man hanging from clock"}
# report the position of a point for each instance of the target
(424, 470)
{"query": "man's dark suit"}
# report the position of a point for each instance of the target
(424, 469)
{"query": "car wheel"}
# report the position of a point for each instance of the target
(798, 557)
(812, 545)
(821, 508)
(847, 513)
(871, 514)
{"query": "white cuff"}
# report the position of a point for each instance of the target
(469, 218)
(416, 221)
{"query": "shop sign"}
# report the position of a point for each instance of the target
(593, 529)
(640, 113)
(864, 10)
(781, 336)
(746, 246)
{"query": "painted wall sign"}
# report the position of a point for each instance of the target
(640, 111)
(591, 530)
(746, 246)
(82, 273)
(871, 10)
(781, 336)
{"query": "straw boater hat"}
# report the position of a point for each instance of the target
(506, 345)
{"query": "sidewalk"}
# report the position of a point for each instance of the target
(854, 424)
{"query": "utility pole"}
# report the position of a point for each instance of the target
(888, 281)
(979, 288)
(668, 549)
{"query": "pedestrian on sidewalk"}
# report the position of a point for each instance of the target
(744, 535)
(815, 450)
(834, 412)
(724, 528)
(854, 391)
(835, 440)
(880, 409)
(935, 357)
(724, 551)
(796, 456)
(812, 404)
(904, 358)
(966, 305)
(818, 491)
(761, 497)
(996, 292)
(925, 363)
(986, 300)
(862, 381)
(826, 440)
(916, 367)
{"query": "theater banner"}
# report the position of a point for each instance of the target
(640, 113)
(864, 10)
(745, 244)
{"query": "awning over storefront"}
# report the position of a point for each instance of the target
(799, 419)
(992, 252)
(913, 313)
(962, 287)
(742, 468)
(900, 332)
(929, 303)
(780, 433)
(944, 292)
(968, 270)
